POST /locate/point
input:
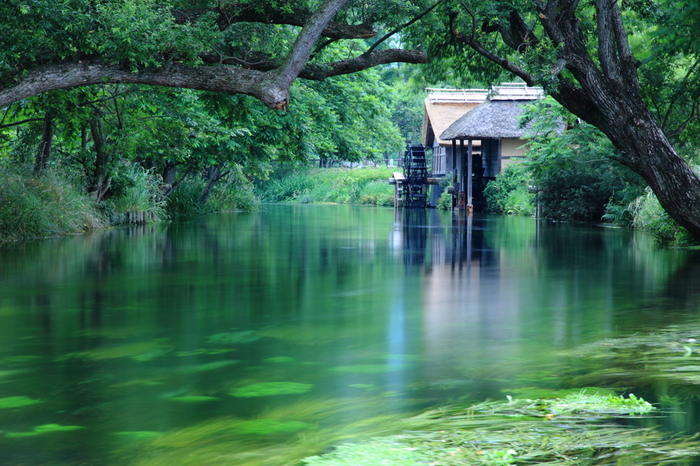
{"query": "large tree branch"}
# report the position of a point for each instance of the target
(471, 41)
(226, 79)
(405, 25)
(220, 78)
(271, 87)
(363, 62)
(304, 44)
(319, 72)
(231, 14)
(607, 45)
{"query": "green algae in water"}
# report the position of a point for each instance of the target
(131, 383)
(364, 386)
(365, 368)
(43, 429)
(17, 402)
(280, 359)
(671, 355)
(271, 389)
(233, 338)
(269, 426)
(209, 366)
(192, 398)
(117, 351)
(150, 355)
(206, 351)
(137, 435)
(519, 432)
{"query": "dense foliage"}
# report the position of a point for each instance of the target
(75, 94)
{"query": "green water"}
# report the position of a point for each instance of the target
(259, 338)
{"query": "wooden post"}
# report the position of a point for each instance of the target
(454, 169)
(470, 205)
(461, 198)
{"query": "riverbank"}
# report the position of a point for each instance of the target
(302, 185)
(57, 203)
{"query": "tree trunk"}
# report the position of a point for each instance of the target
(44, 152)
(646, 150)
(214, 174)
(605, 93)
(100, 181)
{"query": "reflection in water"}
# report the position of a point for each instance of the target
(327, 315)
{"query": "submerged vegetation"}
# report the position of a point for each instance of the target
(670, 357)
(562, 427)
(573, 430)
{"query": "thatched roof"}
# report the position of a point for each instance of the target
(439, 116)
(494, 119)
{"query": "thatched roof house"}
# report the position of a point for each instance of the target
(483, 140)
(494, 119)
(443, 107)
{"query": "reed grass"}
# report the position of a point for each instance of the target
(51, 205)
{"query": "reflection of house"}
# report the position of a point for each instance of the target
(474, 134)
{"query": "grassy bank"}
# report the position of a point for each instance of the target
(48, 206)
(58, 203)
(329, 185)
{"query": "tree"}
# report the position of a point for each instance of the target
(58, 45)
(580, 53)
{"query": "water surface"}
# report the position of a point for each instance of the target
(213, 340)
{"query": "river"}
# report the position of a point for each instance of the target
(256, 338)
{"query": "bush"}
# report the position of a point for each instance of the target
(51, 205)
(509, 192)
(135, 189)
(650, 216)
(284, 185)
(445, 201)
(575, 170)
(234, 192)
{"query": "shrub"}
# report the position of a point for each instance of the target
(234, 192)
(51, 205)
(445, 201)
(509, 192)
(650, 216)
(135, 189)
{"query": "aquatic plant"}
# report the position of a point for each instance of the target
(233, 338)
(137, 435)
(208, 366)
(669, 356)
(132, 350)
(16, 402)
(280, 359)
(271, 389)
(366, 368)
(192, 398)
(280, 436)
(43, 429)
(208, 351)
(269, 426)
(519, 432)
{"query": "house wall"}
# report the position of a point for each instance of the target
(512, 151)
